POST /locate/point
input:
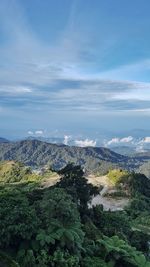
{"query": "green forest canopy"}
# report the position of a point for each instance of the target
(55, 227)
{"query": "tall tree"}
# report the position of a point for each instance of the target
(74, 182)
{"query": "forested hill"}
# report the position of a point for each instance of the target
(37, 153)
(57, 225)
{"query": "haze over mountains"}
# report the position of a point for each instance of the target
(136, 140)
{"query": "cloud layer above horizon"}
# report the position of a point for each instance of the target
(60, 59)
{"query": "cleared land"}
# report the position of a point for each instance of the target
(109, 203)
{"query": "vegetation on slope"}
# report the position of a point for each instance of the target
(16, 172)
(145, 169)
(55, 227)
(11, 172)
(117, 175)
(37, 153)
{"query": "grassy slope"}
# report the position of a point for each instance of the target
(16, 172)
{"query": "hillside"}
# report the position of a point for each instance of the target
(143, 155)
(74, 223)
(109, 203)
(12, 171)
(37, 153)
(145, 169)
(3, 140)
(124, 150)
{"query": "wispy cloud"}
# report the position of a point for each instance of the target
(14, 90)
(98, 95)
(66, 74)
(129, 71)
(55, 73)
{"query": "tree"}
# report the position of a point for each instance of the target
(18, 220)
(34, 229)
(75, 184)
(60, 221)
(118, 253)
(111, 223)
(138, 183)
(7, 261)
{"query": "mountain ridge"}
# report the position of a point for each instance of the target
(36, 153)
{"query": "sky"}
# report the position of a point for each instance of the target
(74, 67)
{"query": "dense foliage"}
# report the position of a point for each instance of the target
(75, 184)
(55, 227)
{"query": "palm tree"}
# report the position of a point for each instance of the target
(116, 250)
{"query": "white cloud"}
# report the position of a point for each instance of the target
(117, 140)
(126, 139)
(112, 141)
(66, 139)
(101, 95)
(14, 90)
(39, 132)
(140, 144)
(85, 143)
(30, 133)
(138, 91)
(146, 140)
(27, 58)
(24, 58)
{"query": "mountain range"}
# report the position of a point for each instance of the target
(36, 153)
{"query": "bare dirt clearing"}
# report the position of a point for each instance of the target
(50, 181)
(109, 203)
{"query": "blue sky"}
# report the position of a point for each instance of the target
(74, 67)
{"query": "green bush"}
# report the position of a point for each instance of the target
(117, 176)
